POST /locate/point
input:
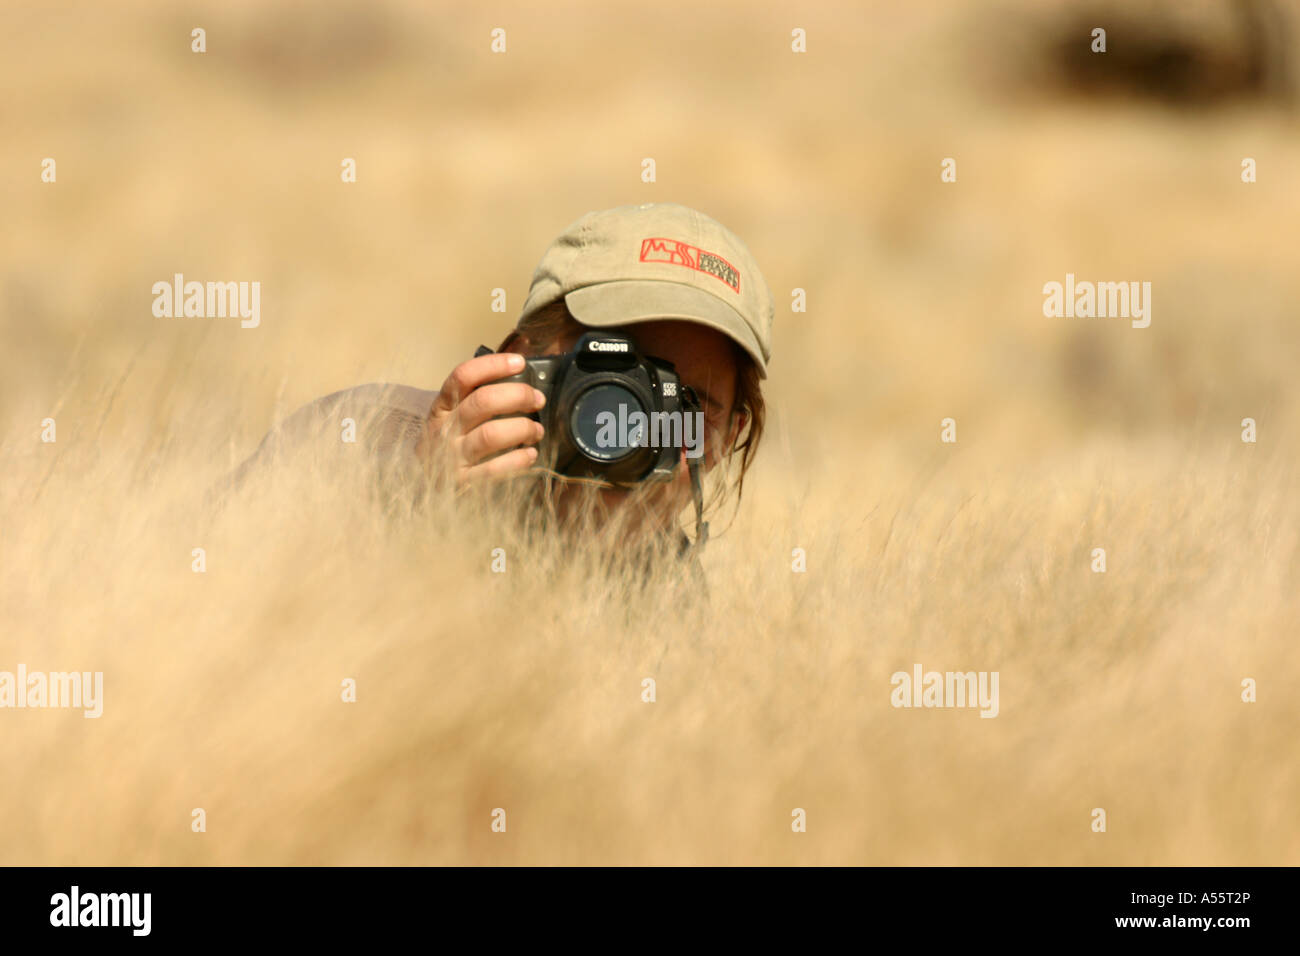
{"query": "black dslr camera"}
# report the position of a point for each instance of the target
(612, 413)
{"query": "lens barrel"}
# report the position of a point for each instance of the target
(600, 424)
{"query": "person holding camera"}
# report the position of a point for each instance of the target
(635, 369)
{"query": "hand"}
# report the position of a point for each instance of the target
(464, 439)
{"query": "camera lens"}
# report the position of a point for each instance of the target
(600, 426)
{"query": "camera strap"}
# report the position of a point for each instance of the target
(691, 403)
(701, 526)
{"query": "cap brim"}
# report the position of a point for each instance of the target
(629, 301)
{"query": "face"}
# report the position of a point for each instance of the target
(705, 360)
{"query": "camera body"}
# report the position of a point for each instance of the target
(593, 397)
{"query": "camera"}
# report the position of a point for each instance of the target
(612, 413)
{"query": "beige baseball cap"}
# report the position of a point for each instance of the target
(657, 260)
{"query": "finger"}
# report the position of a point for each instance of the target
(472, 373)
(512, 462)
(496, 436)
(491, 401)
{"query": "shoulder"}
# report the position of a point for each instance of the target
(365, 402)
(374, 423)
(375, 413)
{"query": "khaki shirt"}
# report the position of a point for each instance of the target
(364, 427)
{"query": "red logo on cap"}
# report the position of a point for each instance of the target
(684, 254)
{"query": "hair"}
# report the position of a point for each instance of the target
(555, 323)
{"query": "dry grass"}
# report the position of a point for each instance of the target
(480, 690)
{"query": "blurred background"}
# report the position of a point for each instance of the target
(924, 302)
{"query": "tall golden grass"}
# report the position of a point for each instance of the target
(523, 690)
